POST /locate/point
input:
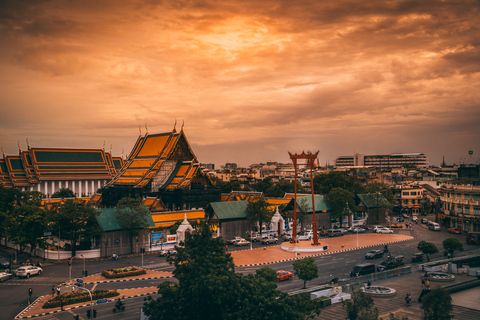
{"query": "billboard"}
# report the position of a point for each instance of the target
(158, 237)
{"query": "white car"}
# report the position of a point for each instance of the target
(5, 276)
(27, 271)
(375, 228)
(414, 218)
(384, 230)
(167, 252)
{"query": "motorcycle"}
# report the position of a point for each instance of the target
(333, 280)
(114, 257)
(120, 306)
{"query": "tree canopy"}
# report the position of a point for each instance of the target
(209, 288)
(437, 305)
(258, 211)
(77, 220)
(382, 188)
(338, 199)
(427, 248)
(360, 307)
(325, 182)
(452, 244)
(64, 193)
(305, 269)
(133, 216)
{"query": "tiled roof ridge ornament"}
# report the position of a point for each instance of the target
(146, 129)
(3, 152)
(19, 148)
(28, 144)
(103, 145)
(183, 123)
(140, 130)
(174, 131)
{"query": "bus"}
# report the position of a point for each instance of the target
(473, 237)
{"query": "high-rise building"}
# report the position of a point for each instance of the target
(387, 161)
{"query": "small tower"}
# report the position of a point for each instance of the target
(183, 229)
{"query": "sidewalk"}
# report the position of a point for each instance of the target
(408, 284)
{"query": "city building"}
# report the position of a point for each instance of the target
(387, 161)
(47, 170)
(461, 207)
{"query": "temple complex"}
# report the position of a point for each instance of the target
(47, 170)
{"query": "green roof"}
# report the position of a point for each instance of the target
(230, 209)
(305, 203)
(107, 219)
(373, 200)
(91, 156)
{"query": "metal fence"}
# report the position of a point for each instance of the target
(360, 280)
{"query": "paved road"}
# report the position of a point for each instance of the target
(14, 293)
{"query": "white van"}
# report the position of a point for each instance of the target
(434, 226)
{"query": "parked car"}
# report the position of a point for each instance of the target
(453, 230)
(373, 254)
(424, 221)
(384, 230)
(287, 237)
(304, 237)
(4, 263)
(254, 237)
(284, 275)
(269, 240)
(359, 230)
(242, 242)
(167, 253)
(232, 241)
(375, 228)
(323, 232)
(414, 218)
(335, 232)
(417, 257)
(28, 271)
(5, 276)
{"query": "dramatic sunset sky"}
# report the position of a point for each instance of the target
(250, 79)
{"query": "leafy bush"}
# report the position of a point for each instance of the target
(77, 297)
(122, 272)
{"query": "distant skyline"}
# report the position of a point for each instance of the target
(250, 80)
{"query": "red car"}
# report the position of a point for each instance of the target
(453, 230)
(284, 275)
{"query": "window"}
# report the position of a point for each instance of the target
(467, 210)
(476, 197)
(414, 193)
(405, 193)
(476, 211)
(459, 209)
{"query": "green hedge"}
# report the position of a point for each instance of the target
(77, 297)
(122, 272)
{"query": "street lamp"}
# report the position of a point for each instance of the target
(70, 264)
(83, 268)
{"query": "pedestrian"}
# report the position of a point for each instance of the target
(427, 284)
(365, 284)
(73, 289)
(58, 290)
(449, 256)
(369, 284)
(53, 290)
(423, 281)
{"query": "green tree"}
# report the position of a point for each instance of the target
(133, 216)
(427, 248)
(360, 307)
(31, 225)
(452, 244)
(279, 189)
(325, 182)
(263, 185)
(63, 193)
(258, 211)
(437, 305)
(305, 269)
(381, 188)
(267, 273)
(209, 288)
(77, 221)
(338, 199)
(9, 199)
